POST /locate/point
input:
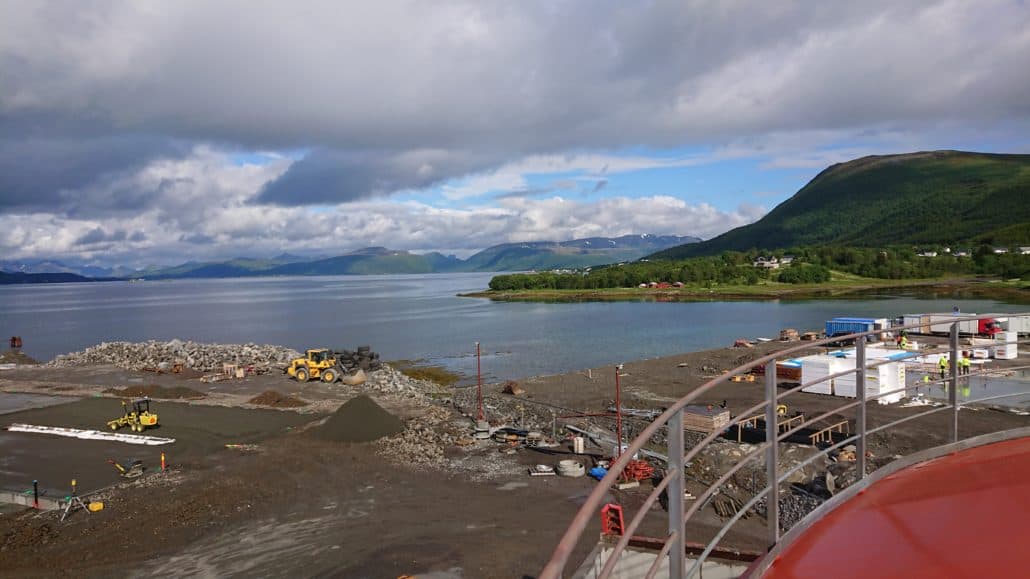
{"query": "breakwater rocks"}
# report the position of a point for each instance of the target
(164, 355)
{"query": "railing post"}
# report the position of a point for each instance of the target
(678, 551)
(772, 432)
(953, 393)
(860, 427)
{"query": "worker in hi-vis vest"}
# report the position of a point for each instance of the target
(942, 364)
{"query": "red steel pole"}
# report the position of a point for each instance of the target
(479, 384)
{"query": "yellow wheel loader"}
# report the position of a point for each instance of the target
(320, 364)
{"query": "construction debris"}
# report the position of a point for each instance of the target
(789, 335)
(727, 506)
(361, 359)
(512, 387)
(571, 468)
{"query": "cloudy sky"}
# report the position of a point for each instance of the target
(152, 132)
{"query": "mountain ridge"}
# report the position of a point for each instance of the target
(545, 255)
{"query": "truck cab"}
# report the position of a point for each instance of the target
(989, 327)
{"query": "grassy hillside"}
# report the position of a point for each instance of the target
(941, 197)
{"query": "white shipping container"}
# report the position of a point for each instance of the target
(941, 323)
(909, 319)
(1020, 324)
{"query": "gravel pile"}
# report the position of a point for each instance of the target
(162, 355)
(275, 399)
(793, 508)
(359, 420)
(423, 441)
(387, 380)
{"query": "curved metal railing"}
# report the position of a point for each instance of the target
(678, 457)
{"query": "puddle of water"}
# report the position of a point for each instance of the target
(976, 388)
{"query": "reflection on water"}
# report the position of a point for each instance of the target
(980, 388)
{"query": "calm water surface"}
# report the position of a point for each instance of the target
(415, 317)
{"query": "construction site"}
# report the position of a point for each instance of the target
(181, 458)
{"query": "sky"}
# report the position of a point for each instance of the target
(154, 132)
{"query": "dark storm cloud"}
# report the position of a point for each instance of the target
(44, 173)
(197, 239)
(99, 235)
(327, 176)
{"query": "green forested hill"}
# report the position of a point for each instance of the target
(940, 197)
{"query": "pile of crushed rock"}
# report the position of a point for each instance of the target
(163, 355)
(387, 380)
(421, 445)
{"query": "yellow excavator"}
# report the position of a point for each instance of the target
(318, 364)
(137, 419)
(134, 470)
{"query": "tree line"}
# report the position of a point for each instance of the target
(810, 265)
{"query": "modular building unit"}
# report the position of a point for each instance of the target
(889, 377)
(819, 367)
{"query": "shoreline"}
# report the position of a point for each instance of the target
(976, 287)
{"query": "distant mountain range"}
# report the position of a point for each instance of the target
(927, 198)
(21, 277)
(538, 255)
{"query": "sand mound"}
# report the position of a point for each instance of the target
(359, 420)
(155, 391)
(277, 400)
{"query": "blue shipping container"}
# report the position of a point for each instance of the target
(840, 326)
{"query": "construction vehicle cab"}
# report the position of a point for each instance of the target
(136, 416)
(318, 364)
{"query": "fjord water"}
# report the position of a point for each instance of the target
(416, 317)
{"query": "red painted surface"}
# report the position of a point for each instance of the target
(962, 515)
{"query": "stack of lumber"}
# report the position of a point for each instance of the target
(705, 418)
